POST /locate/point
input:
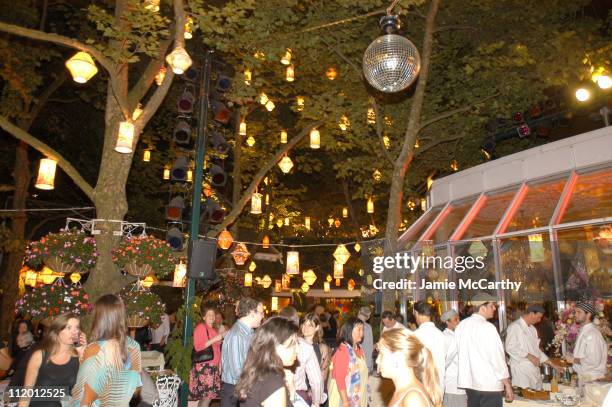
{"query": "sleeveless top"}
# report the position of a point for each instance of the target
(399, 402)
(51, 374)
(263, 389)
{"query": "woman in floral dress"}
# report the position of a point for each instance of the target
(205, 377)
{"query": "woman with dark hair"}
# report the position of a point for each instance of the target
(205, 376)
(265, 381)
(348, 384)
(55, 360)
(110, 370)
(22, 339)
(312, 333)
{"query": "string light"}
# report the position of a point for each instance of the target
(250, 141)
(247, 76)
(331, 73)
(300, 103)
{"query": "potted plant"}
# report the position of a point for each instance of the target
(142, 255)
(69, 251)
(142, 307)
(47, 301)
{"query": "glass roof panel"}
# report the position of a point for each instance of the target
(591, 198)
(537, 206)
(490, 214)
(452, 220)
(425, 220)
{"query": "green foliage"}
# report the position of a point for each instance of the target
(180, 355)
(144, 304)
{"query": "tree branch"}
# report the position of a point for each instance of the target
(42, 99)
(450, 113)
(342, 56)
(436, 143)
(49, 152)
(141, 88)
(379, 132)
(455, 27)
(239, 206)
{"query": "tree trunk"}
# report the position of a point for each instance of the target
(394, 210)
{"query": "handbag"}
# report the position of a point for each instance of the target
(203, 355)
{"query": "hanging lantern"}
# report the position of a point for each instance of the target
(270, 105)
(266, 281)
(279, 222)
(344, 123)
(278, 287)
(267, 199)
(377, 175)
(256, 203)
(345, 212)
(454, 165)
(81, 67)
(179, 60)
(309, 277)
(46, 174)
(429, 182)
(160, 75)
(225, 240)
(74, 278)
(330, 221)
(189, 176)
(285, 281)
(315, 139)
(341, 254)
(416, 144)
(31, 277)
(274, 304)
(125, 138)
(290, 75)
(188, 28)
(240, 254)
(286, 58)
(423, 204)
(307, 222)
(283, 137)
(148, 281)
(285, 164)
(350, 285)
(180, 275)
(371, 116)
(146, 156)
(247, 76)
(252, 266)
(338, 282)
(263, 98)
(250, 141)
(137, 112)
(248, 279)
(411, 204)
(259, 55)
(370, 205)
(293, 262)
(152, 5)
(361, 272)
(337, 223)
(331, 73)
(328, 278)
(265, 242)
(338, 270)
(300, 103)
(357, 247)
(386, 142)
(305, 287)
(166, 173)
(326, 287)
(242, 128)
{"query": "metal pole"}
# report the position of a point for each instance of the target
(194, 229)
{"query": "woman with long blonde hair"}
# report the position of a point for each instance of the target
(409, 364)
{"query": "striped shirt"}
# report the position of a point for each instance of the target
(234, 352)
(309, 368)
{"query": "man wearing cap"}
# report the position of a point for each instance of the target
(523, 346)
(591, 351)
(367, 344)
(483, 372)
(429, 334)
(453, 396)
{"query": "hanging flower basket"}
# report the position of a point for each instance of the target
(136, 321)
(48, 301)
(143, 255)
(142, 307)
(69, 251)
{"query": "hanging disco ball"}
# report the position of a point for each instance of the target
(392, 62)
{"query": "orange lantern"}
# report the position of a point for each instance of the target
(266, 242)
(241, 254)
(225, 240)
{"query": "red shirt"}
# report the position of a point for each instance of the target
(202, 334)
(340, 362)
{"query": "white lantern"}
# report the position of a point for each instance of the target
(81, 67)
(290, 75)
(293, 262)
(315, 139)
(345, 212)
(270, 105)
(300, 103)
(152, 5)
(166, 173)
(180, 272)
(305, 287)
(179, 60)
(125, 138)
(263, 98)
(274, 304)
(252, 266)
(242, 129)
(285, 164)
(338, 270)
(283, 137)
(341, 254)
(146, 156)
(326, 287)
(248, 279)
(307, 222)
(286, 58)
(266, 281)
(256, 203)
(250, 141)
(46, 174)
(370, 205)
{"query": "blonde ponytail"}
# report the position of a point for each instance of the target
(430, 377)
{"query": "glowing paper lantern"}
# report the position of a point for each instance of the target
(287, 221)
(337, 223)
(242, 128)
(46, 174)
(338, 270)
(179, 60)
(189, 176)
(279, 222)
(377, 175)
(146, 156)
(256, 203)
(247, 76)
(315, 139)
(285, 282)
(330, 221)
(423, 204)
(263, 98)
(125, 138)
(74, 278)
(290, 75)
(300, 103)
(81, 67)
(160, 75)
(252, 266)
(152, 5)
(188, 29)
(344, 123)
(225, 240)
(326, 287)
(286, 58)
(266, 281)
(370, 205)
(307, 222)
(285, 164)
(270, 105)
(250, 141)
(148, 281)
(266, 242)
(274, 304)
(278, 287)
(341, 254)
(309, 276)
(283, 137)
(240, 254)
(166, 173)
(454, 165)
(180, 274)
(248, 279)
(345, 212)
(357, 247)
(331, 73)
(305, 287)
(350, 285)
(293, 262)
(328, 278)
(371, 116)
(338, 282)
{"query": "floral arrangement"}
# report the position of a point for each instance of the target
(143, 305)
(70, 250)
(147, 253)
(50, 300)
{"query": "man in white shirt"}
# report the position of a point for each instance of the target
(483, 372)
(523, 346)
(160, 334)
(367, 344)
(431, 337)
(591, 350)
(453, 396)
(389, 322)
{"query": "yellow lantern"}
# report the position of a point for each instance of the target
(166, 173)
(285, 164)
(160, 75)
(189, 176)
(341, 254)
(263, 98)
(266, 281)
(180, 274)
(326, 287)
(285, 281)
(46, 174)
(290, 75)
(266, 242)
(416, 144)
(152, 5)
(270, 105)
(125, 138)
(247, 76)
(331, 73)
(370, 206)
(454, 165)
(307, 222)
(242, 128)
(315, 139)
(283, 137)
(286, 58)
(330, 221)
(328, 278)
(357, 247)
(248, 279)
(274, 304)
(188, 28)
(338, 282)
(345, 212)
(371, 116)
(31, 277)
(279, 222)
(377, 175)
(350, 285)
(337, 223)
(75, 278)
(48, 276)
(267, 199)
(252, 266)
(287, 221)
(386, 142)
(250, 141)
(300, 103)
(338, 270)
(81, 67)
(225, 240)
(423, 204)
(293, 262)
(240, 254)
(259, 55)
(179, 60)
(146, 156)
(429, 182)
(309, 276)
(278, 286)
(305, 287)
(137, 112)
(256, 203)
(344, 123)
(148, 281)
